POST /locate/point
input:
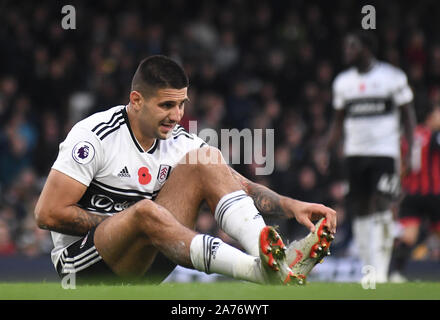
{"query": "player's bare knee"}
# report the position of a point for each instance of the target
(148, 214)
(210, 158)
(142, 210)
(205, 156)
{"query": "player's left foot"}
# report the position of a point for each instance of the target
(304, 254)
(273, 259)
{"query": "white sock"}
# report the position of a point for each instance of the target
(237, 215)
(374, 238)
(362, 238)
(381, 247)
(209, 254)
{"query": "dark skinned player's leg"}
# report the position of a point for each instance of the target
(381, 235)
(387, 186)
(358, 205)
(374, 232)
(130, 240)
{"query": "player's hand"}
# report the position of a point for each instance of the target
(306, 212)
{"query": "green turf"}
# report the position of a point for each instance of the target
(222, 291)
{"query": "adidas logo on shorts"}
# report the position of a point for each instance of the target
(124, 173)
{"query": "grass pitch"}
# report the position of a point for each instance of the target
(220, 291)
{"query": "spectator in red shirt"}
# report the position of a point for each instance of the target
(421, 186)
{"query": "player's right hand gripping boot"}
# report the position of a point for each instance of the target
(304, 254)
(273, 258)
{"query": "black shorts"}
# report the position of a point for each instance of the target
(415, 208)
(82, 259)
(371, 175)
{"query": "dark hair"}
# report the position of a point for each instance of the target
(158, 72)
(367, 38)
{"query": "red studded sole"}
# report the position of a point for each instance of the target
(321, 248)
(272, 246)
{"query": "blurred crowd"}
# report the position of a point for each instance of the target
(251, 64)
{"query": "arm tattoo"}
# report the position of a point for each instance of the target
(79, 222)
(267, 201)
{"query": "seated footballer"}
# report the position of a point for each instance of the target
(128, 183)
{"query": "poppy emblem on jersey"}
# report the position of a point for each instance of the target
(164, 172)
(83, 152)
(144, 175)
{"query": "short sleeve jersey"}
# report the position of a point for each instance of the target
(102, 153)
(371, 101)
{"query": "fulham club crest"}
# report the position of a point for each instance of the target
(164, 172)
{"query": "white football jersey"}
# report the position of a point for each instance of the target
(371, 101)
(102, 153)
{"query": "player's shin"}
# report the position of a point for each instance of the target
(212, 255)
(237, 215)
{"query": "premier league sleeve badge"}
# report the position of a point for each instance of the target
(83, 152)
